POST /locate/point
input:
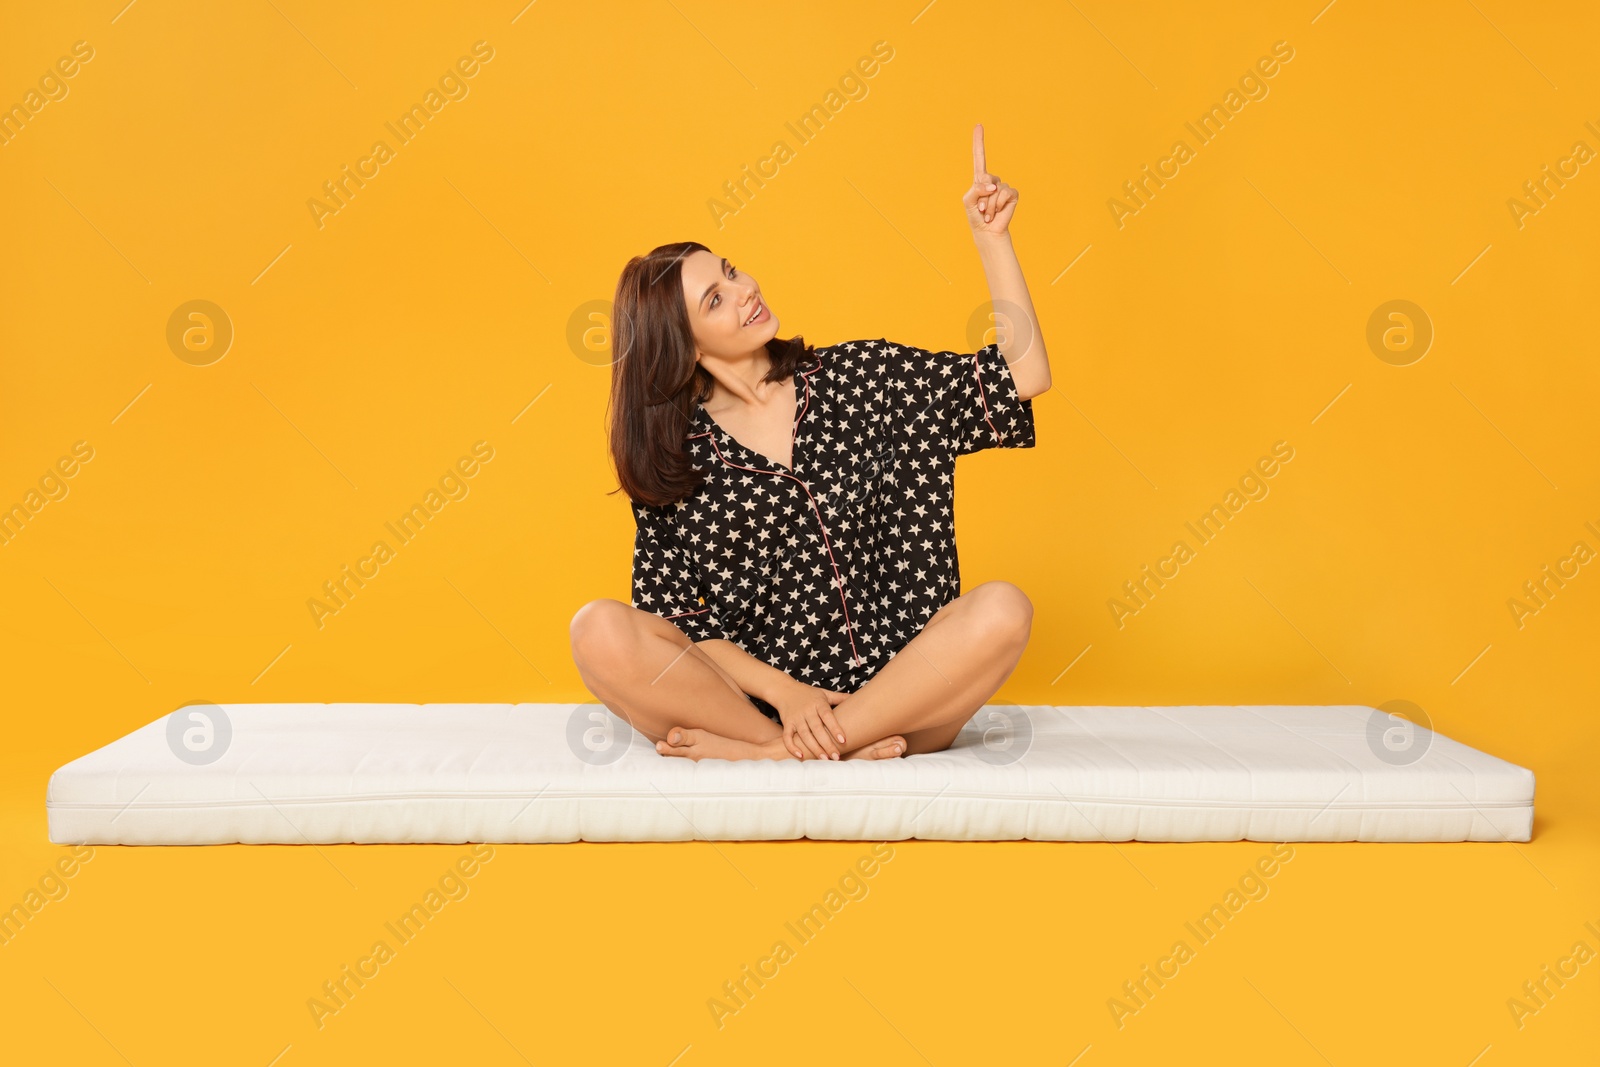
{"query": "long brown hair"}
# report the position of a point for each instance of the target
(656, 381)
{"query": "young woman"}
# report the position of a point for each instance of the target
(796, 591)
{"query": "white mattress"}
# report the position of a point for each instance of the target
(328, 773)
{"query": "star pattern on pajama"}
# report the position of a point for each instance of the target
(827, 568)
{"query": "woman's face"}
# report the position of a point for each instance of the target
(721, 300)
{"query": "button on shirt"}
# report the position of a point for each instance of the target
(827, 568)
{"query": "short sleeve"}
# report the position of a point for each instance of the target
(969, 400)
(666, 577)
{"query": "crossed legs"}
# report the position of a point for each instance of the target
(650, 673)
(938, 681)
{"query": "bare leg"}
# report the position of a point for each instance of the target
(650, 673)
(939, 680)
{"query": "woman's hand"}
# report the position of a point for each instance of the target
(809, 729)
(990, 202)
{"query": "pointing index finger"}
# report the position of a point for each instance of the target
(977, 153)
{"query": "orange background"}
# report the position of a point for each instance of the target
(370, 353)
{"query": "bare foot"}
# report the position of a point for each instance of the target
(884, 748)
(699, 744)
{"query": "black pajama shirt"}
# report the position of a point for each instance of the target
(827, 568)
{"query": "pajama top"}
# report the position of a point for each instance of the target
(827, 568)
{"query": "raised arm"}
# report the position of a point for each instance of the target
(990, 204)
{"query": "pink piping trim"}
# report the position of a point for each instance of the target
(806, 407)
(838, 578)
(979, 373)
(826, 543)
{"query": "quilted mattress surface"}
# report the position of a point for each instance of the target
(450, 773)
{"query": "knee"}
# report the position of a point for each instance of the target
(1003, 611)
(597, 628)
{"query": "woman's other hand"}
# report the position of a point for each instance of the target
(810, 730)
(990, 202)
